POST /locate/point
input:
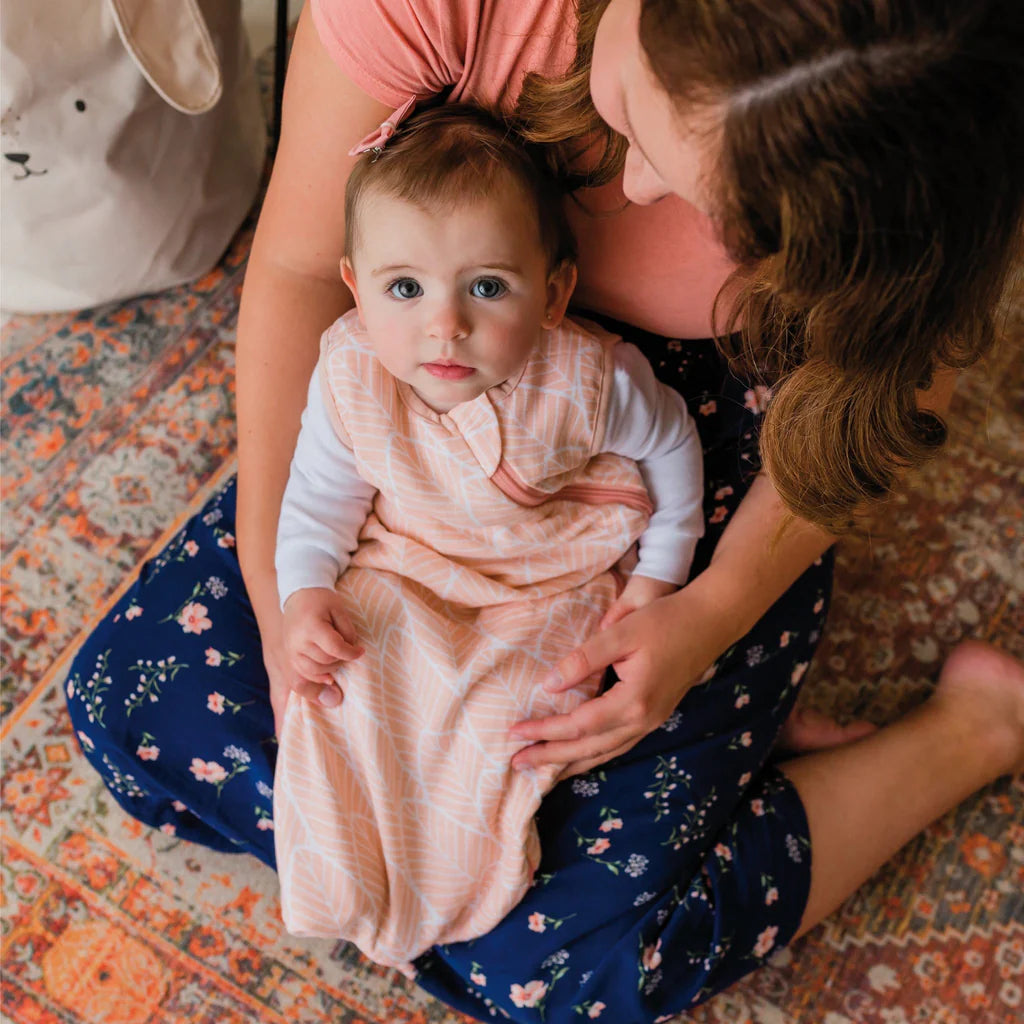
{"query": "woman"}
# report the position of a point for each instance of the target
(833, 189)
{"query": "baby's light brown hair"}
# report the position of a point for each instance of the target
(456, 153)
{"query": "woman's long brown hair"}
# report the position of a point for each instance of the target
(559, 113)
(870, 187)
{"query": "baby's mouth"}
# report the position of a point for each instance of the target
(445, 369)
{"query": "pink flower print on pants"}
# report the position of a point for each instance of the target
(765, 941)
(529, 994)
(193, 619)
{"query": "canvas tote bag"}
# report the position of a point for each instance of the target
(133, 143)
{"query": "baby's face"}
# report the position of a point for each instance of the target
(454, 301)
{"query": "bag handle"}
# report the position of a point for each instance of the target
(169, 43)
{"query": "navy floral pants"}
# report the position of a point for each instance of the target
(666, 874)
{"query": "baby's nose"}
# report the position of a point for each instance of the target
(449, 322)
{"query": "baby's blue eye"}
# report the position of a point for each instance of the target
(488, 288)
(405, 288)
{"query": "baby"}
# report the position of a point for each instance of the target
(472, 468)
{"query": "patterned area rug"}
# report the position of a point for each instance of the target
(116, 424)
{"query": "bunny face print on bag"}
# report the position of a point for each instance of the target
(133, 143)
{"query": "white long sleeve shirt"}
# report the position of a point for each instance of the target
(326, 502)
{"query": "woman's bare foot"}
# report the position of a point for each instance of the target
(981, 682)
(806, 730)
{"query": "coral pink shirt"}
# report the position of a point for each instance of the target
(658, 267)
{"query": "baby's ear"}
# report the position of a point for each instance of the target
(561, 282)
(348, 275)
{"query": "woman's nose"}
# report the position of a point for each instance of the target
(641, 184)
(448, 322)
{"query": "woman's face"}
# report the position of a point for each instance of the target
(668, 152)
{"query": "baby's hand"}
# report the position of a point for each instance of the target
(319, 637)
(639, 591)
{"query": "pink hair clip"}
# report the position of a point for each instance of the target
(377, 139)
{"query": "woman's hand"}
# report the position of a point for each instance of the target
(659, 652)
(283, 678)
(639, 592)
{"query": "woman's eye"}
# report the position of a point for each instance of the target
(488, 288)
(405, 288)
